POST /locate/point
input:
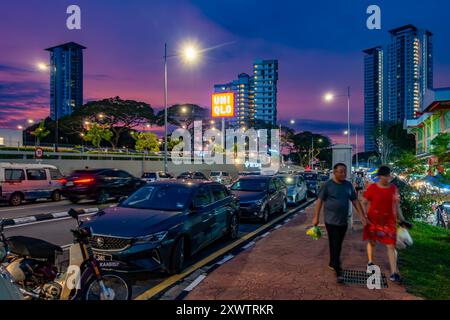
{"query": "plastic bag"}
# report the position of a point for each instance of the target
(314, 232)
(403, 238)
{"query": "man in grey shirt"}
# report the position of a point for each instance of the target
(335, 196)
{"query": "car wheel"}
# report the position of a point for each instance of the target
(56, 196)
(233, 229)
(177, 260)
(15, 199)
(102, 197)
(284, 207)
(265, 217)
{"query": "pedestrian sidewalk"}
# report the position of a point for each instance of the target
(288, 264)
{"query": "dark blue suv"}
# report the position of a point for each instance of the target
(162, 223)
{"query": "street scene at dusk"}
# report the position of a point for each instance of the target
(246, 151)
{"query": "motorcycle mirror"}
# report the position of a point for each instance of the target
(73, 213)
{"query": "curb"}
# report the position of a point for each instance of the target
(44, 217)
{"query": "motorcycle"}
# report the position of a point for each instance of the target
(32, 267)
(8, 290)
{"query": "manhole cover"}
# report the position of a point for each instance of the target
(360, 278)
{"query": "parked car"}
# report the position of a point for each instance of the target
(29, 182)
(322, 179)
(312, 182)
(156, 176)
(221, 177)
(100, 185)
(260, 196)
(192, 176)
(248, 173)
(161, 224)
(296, 188)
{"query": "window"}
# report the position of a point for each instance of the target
(219, 193)
(203, 197)
(199, 175)
(55, 174)
(36, 174)
(14, 175)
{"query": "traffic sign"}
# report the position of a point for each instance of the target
(38, 153)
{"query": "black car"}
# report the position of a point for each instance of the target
(161, 224)
(192, 176)
(260, 196)
(100, 185)
(312, 182)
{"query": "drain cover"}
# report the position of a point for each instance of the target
(360, 278)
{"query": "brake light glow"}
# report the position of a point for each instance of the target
(63, 181)
(84, 180)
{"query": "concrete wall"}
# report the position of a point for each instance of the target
(135, 167)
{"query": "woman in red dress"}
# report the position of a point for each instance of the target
(383, 202)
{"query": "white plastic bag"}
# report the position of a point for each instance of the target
(403, 238)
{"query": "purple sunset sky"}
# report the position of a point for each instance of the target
(319, 48)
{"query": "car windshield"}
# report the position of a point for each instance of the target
(215, 173)
(149, 175)
(250, 185)
(159, 197)
(289, 180)
(310, 176)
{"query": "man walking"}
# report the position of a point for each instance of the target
(335, 196)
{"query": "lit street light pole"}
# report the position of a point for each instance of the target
(190, 54)
(329, 97)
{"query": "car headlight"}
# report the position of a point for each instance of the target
(152, 238)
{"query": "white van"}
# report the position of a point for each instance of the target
(29, 182)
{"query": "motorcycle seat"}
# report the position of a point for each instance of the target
(32, 247)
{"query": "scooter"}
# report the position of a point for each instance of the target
(32, 266)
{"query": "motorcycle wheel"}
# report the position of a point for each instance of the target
(117, 285)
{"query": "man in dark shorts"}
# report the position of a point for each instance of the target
(335, 196)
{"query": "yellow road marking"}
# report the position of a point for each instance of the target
(177, 277)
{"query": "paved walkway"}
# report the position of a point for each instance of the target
(288, 264)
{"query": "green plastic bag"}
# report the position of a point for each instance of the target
(314, 233)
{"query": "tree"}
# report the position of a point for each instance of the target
(40, 132)
(383, 143)
(409, 164)
(181, 114)
(120, 116)
(441, 150)
(146, 141)
(97, 133)
(303, 143)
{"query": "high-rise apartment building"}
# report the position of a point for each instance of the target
(410, 71)
(374, 112)
(66, 79)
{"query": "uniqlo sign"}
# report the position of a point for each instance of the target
(222, 105)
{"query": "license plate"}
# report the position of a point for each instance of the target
(69, 184)
(102, 257)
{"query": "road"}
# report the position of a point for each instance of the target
(40, 207)
(58, 232)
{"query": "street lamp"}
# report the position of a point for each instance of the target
(30, 121)
(190, 54)
(20, 127)
(328, 97)
(292, 121)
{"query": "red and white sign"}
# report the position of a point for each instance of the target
(38, 153)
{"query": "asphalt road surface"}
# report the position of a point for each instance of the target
(40, 207)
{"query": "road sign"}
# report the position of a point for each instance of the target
(38, 153)
(222, 105)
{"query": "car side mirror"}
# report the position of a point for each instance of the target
(122, 199)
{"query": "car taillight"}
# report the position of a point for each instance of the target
(84, 181)
(63, 181)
